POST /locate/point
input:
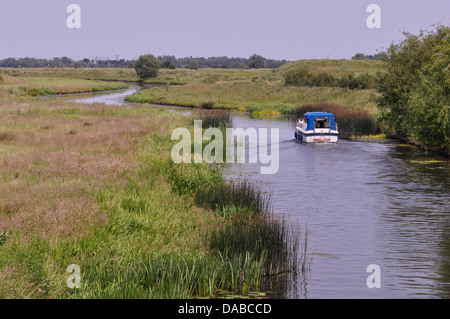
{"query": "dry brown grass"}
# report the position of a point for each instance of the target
(8, 79)
(53, 163)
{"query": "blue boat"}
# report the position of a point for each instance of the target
(317, 127)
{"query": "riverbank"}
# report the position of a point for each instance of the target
(94, 186)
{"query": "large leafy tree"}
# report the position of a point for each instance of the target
(430, 98)
(147, 66)
(414, 97)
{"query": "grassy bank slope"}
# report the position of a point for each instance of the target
(336, 68)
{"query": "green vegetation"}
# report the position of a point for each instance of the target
(415, 89)
(260, 95)
(256, 62)
(95, 186)
(34, 84)
(66, 62)
(336, 68)
(147, 67)
(214, 118)
(345, 74)
(265, 92)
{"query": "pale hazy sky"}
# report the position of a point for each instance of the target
(281, 29)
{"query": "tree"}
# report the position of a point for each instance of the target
(66, 61)
(414, 100)
(193, 65)
(256, 61)
(430, 98)
(168, 65)
(147, 66)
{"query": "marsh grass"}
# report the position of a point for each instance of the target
(351, 123)
(56, 89)
(263, 235)
(248, 226)
(162, 275)
(235, 193)
(214, 118)
(259, 97)
(110, 199)
(26, 85)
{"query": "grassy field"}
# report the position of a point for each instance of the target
(94, 185)
(259, 91)
(166, 76)
(40, 84)
(263, 92)
(257, 97)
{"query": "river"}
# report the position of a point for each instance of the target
(365, 202)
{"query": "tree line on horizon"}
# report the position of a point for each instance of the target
(166, 61)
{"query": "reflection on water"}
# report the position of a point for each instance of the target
(113, 98)
(366, 202)
(118, 99)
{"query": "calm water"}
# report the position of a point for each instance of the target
(365, 202)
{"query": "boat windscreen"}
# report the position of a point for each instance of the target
(322, 123)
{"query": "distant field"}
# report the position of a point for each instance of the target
(264, 91)
(335, 67)
(255, 97)
(36, 84)
(166, 76)
(260, 91)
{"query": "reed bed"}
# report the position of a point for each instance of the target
(214, 118)
(241, 194)
(351, 123)
(263, 235)
(247, 225)
(168, 276)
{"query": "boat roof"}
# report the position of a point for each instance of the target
(318, 114)
(311, 117)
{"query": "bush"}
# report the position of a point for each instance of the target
(193, 66)
(415, 89)
(362, 81)
(430, 99)
(302, 77)
(147, 66)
